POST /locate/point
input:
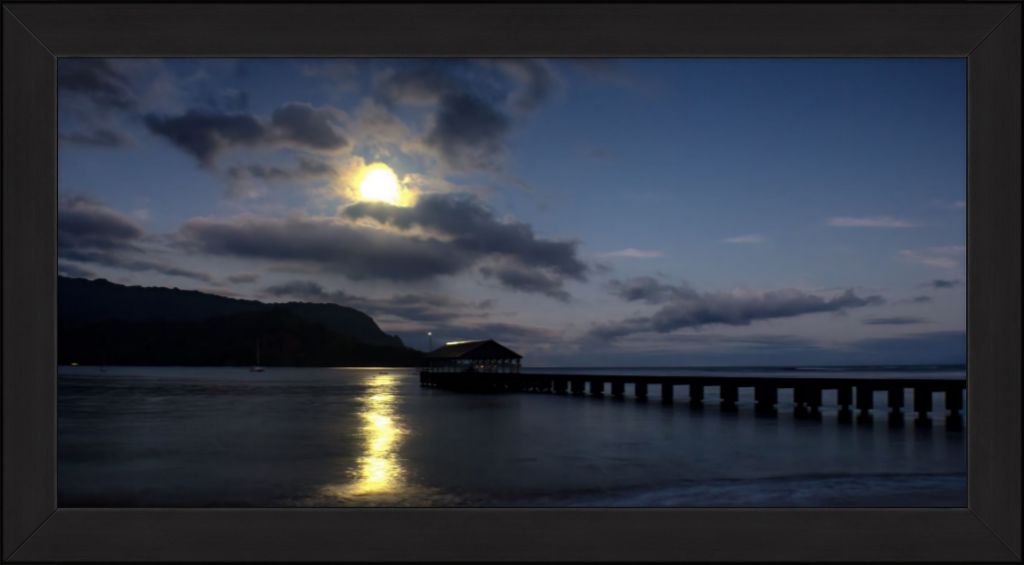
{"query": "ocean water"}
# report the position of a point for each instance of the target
(208, 437)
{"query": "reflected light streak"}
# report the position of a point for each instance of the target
(378, 469)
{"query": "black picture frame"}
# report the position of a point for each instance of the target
(987, 34)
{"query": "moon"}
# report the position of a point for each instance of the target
(379, 183)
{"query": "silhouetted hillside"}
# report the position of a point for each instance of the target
(102, 323)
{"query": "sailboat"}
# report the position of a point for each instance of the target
(256, 368)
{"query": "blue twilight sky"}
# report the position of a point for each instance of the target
(627, 212)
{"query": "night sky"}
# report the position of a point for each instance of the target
(584, 212)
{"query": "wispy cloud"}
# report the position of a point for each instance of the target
(876, 222)
(242, 278)
(894, 321)
(943, 257)
(942, 283)
(205, 134)
(633, 253)
(424, 307)
(91, 233)
(748, 239)
(920, 299)
(681, 306)
(442, 234)
(960, 204)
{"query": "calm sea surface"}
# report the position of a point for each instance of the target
(196, 437)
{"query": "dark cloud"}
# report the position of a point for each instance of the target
(534, 79)
(305, 169)
(99, 136)
(648, 289)
(306, 290)
(307, 126)
(441, 235)
(519, 260)
(923, 299)
(246, 181)
(517, 277)
(310, 168)
(93, 94)
(474, 229)
(84, 223)
(417, 307)
(420, 85)
(226, 100)
(97, 81)
(894, 321)
(260, 172)
(325, 244)
(525, 83)
(468, 132)
(204, 134)
(235, 100)
(684, 307)
(129, 262)
(471, 104)
(431, 307)
(742, 309)
(91, 233)
(242, 278)
(943, 283)
(66, 269)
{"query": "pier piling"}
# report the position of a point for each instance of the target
(844, 399)
(865, 402)
(696, 395)
(813, 399)
(640, 389)
(667, 392)
(954, 402)
(597, 388)
(729, 395)
(922, 404)
(896, 401)
(807, 401)
(766, 397)
(800, 402)
(895, 398)
(618, 389)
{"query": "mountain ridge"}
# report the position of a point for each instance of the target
(105, 323)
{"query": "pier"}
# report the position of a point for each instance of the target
(854, 398)
(488, 366)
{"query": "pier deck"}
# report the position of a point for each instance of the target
(807, 392)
